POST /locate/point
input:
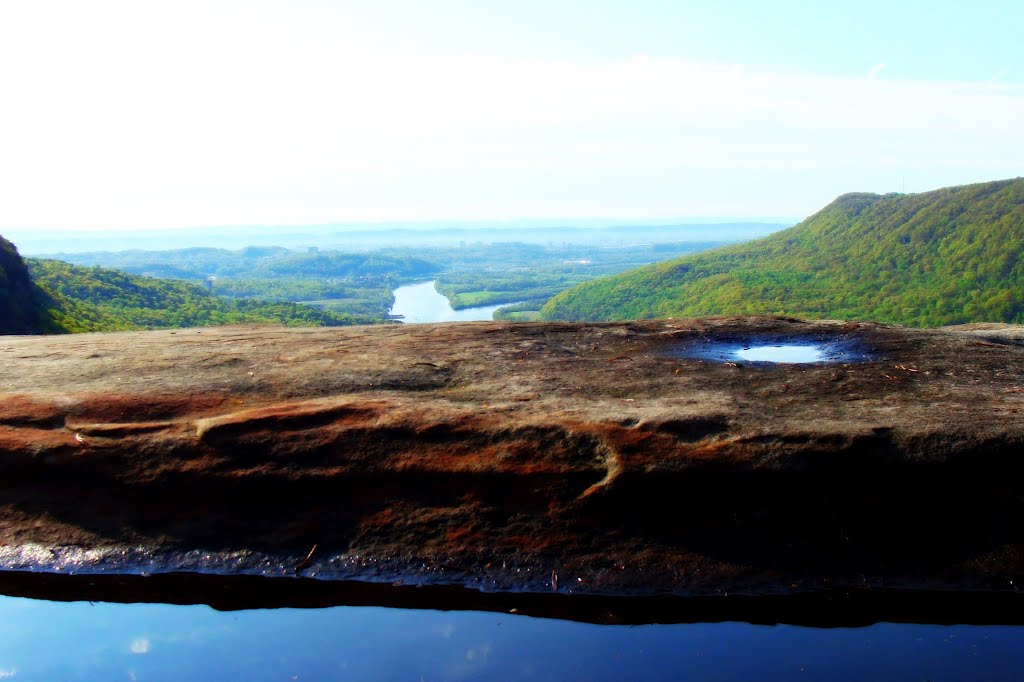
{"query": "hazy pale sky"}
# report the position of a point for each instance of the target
(139, 114)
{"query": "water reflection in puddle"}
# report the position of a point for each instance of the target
(42, 640)
(782, 353)
(771, 350)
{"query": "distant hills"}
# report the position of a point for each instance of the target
(950, 256)
(82, 299)
(355, 237)
(198, 263)
(944, 257)
(49, 296)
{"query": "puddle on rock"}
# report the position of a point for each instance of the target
(782, 353)
(776, 350)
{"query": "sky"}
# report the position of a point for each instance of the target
(140, 115)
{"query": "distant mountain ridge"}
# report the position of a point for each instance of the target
(347, 237)
(949, 256)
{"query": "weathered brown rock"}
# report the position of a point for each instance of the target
(519, 456)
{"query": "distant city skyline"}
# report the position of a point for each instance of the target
(143, 115)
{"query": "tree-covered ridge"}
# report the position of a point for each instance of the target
(944, 257)
(84, 299)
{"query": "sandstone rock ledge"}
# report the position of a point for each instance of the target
(579, 458)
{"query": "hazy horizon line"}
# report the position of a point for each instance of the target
(436, 224)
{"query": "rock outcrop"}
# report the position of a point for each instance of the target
(19, 311)
(538, 457)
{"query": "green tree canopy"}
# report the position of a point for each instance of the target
(945, 257)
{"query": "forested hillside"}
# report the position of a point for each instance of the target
(943, 257)
(81, 299)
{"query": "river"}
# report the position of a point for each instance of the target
(418, 303)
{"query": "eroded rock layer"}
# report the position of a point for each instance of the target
(594, 458)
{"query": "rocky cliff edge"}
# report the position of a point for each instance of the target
(609, 459)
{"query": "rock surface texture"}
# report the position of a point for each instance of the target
(539, 457)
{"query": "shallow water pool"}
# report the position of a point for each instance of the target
(42, 640)
(775, 350)
(788, 353)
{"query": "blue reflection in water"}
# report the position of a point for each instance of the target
(776, 350)
(782, 353)
(56, 641)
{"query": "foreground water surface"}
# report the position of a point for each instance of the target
(42, 640)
